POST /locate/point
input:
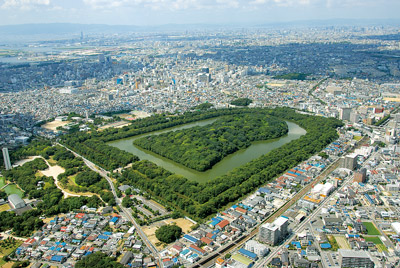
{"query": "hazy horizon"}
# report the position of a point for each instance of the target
(161, 12)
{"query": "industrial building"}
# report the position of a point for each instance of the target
(16, 201)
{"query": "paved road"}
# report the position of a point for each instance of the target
(306, 221)
(128, 215)
(209, 261)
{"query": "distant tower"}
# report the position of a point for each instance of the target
(6, 157)
(81, 36)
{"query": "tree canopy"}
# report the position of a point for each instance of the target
(98, 260)
(242, 102)
(200, 148)
(200, 200)
(168, 233)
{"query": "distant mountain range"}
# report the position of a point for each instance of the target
(59, 29)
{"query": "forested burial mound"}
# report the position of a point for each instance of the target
(202, 147)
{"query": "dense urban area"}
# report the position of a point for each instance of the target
(259, 147)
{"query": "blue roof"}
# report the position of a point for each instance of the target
(213, 223)
(88, 253)
(234, 206)
(194, 255)
(353, 235)
(264, 190)
(245, 207)
(52, 248)
(247, 253)
(190, 238)
(107, 233)
(296, 244)
(325, 245)
(114, 220)
(215, 231)
(184, 252)
(103, 237)
(57, 258)
(219, 218)
(369, 199)
(175, 260)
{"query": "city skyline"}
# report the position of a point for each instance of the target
(159, 12)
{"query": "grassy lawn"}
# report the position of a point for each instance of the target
(13, 189)
(4, 207)
(2, 182)
(357, 138)
(377, 241)
(381, 248)
(51, 161)
(371, 228)
(333, 243)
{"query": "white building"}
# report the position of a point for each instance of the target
(260, 249)
(274, 232)
(396, 227)
(6, 157)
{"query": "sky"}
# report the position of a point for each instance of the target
(159, 12)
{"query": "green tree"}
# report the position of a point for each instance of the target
(98, 260)
(168, 233)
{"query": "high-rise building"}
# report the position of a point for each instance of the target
(350, 161)
(360, 176)
(205, 70)
(354, 117)
(273, 233)
(344, 113)
(6, 157)
(355, 259)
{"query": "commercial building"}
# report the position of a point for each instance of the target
(344, 113)
(273, 233)
(361, 176)
(355, 259)
(6, 157)
(350, 161)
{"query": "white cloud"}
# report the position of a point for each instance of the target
(24, 4)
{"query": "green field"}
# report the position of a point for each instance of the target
(377, 241)
(2, 182)
(13, 189)
(371, 228)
